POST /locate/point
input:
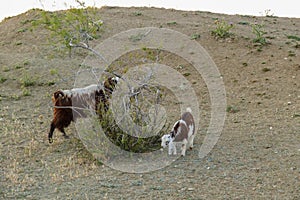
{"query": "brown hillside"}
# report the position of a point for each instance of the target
(256, 157)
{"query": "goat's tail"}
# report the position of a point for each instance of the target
(188, 109)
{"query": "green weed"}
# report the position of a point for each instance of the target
(50, 83)
(222, 29)
(6, 69)
(53, 72)
(232, 109)
(292, 53)
(258, 30)
(2, 79)
(244, 23)
(195, 36)
(27, 81)
(293, 37)
(15, 97)
(26, 92)
(171, 23)
(137, 13)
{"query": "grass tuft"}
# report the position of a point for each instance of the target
(222, 29)
(27, 81)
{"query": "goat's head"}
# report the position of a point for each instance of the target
(110, 84)
(60, 99)
(165, 140)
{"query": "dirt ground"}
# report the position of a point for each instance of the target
(256, 157)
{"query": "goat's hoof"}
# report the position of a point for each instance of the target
(191, 148)
(50, 140)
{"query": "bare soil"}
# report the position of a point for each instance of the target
(256, 157)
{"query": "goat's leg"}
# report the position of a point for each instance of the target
(191, 141)
(172, 148)
(63, 132)
(183, 147)
(50, 134)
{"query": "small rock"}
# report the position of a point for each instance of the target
(289, 103)
(191, 189)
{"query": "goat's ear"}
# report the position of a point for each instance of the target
(172, 134)
(176, 126)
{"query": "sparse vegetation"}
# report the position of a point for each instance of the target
(6, 69)
(244, 23)
(18, 66)
(49, 83)
(222, 29)
(2, 79)
(75, 28)
(53, 72)
(128, 142)
(294, 40)
(266, 69)
(187, 74)
(27, 81)
(15, 97)
(258, 30)
(135, 38)
(245, 64)
(172, 23)
(232, 109)
(18, 43)
(137, 107)
(22, 30)
(137, 13)
(195, 36)
(293, 37)
(268, 13)
(292, 53)
(25, 92)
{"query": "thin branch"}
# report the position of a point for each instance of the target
(86, 46)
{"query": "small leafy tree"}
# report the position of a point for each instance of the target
(74, 27)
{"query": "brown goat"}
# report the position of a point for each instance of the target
(70, 104)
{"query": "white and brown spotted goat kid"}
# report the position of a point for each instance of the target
(183, 132)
